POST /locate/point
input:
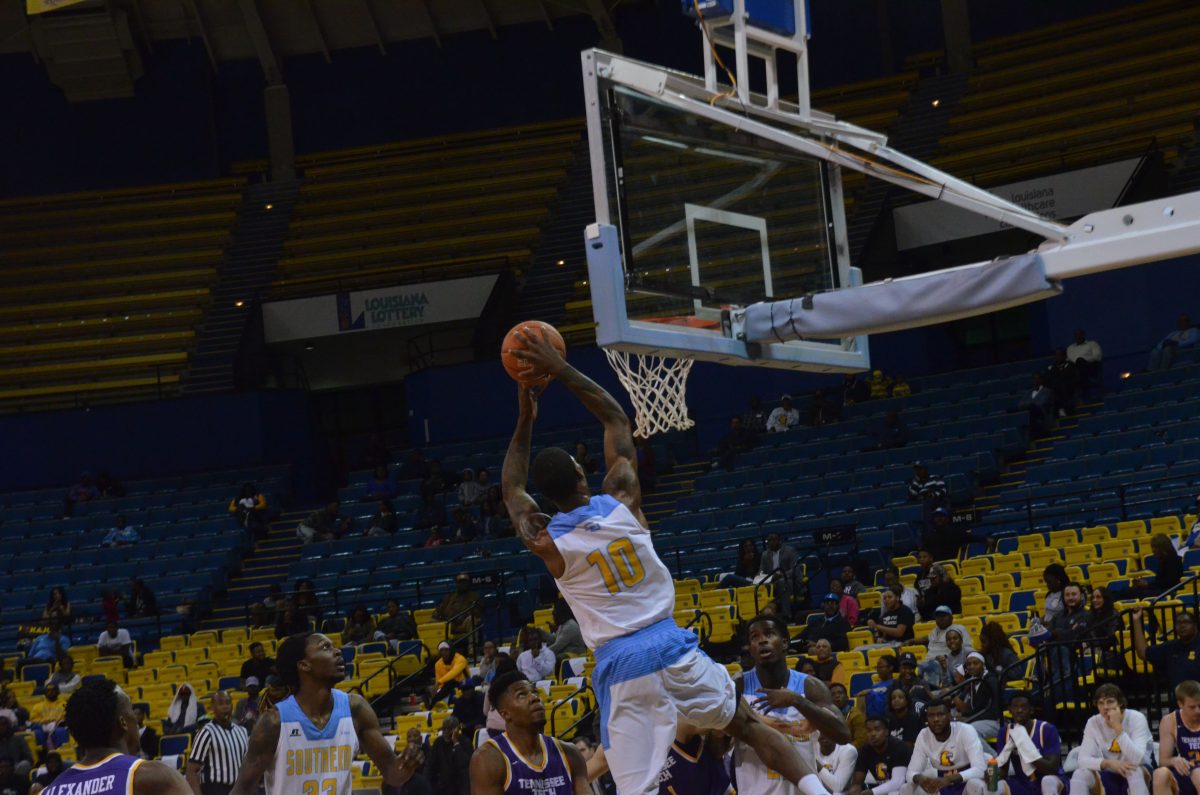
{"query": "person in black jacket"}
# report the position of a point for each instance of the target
(450, 760)
(829, 625)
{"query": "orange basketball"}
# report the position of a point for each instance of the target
(512, 365)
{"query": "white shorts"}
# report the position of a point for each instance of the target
(644, 683)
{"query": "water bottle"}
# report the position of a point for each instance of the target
(992, 779)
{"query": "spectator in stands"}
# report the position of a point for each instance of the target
(567, 640)
(83, 491)
(928, 490)
(893, 622)
(449, 671)
(881, 756)
(1104, 622)
(951, 667)
(463, 608)
(249, 508)
(464, 529)
(487, 662)
(276, 691)
(381, 487)
(396, 624)
(273, 601)
(997, 650)
(892, 434)
(10, 782)
(904, 719)
(1032, 746)
(66, 679)
(1038, 403)
(978, 703)
(50, 771)
(58, 607)
(747, 567)
(784, 417)
(147, 736)
(891, 579)
(876, 696)
(900, 387)
(1180, 658)
(494, 522)
(305, 601)
(384, 522)
(121, 534)
(585, 459)
(435, 482)
(49, 648)
(185, 711)
(826, 666)
(1071, 624)
(853, 390)
(879, 386)
(1117, 747)
(469, 490)
(739, 440)
(449, 760)
(821, 410)
(142, 601)
(850, 584)
(360, 627)
(431, 514)
(779, 560)
(290, 622)
(47, 714)
(468, 706)
(1088, 359)
(847, 605)
(14, 749)
(259, 666)
(1169, 573)
(755, 418)
(835, 763)
(325, 524)
(924, 577)
(110, 602)
(115, 642)
(11, 709)
(536, 661)
(246, 713)
(943, 591)
(1062, 377)
(855, 718)
(935, 640)
(830, 626)
(908, 679)
(1184, 336)
(1055, 578)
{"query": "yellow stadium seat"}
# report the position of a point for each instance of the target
(1041, 558)
(157, 693)
(980, 605)
(158, 659)
(685, 601)
(1063, 538)
(904, 560)
(852, 661)
(999, 583)
(1131, 529)
(923, 628)
(1030, 541)
(978, 565)
(1117, 549)
(724, 626)
(734, 669)
(686, 618)
(173, 673)
(112, 667)
(235, 635)
(974, 625)
(1095, 535)
(225, 651)
(264, 635)
(1166, 524)
(687, 586)
(1009, 562)
(722, 597)
(971, 586)
(190, 655)
(172, 642)
(22, 690)
(1101, 574)
(859, 637)
(1080, 553)
(869, 600)
(141, 676)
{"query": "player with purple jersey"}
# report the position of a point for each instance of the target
(1032, 747)
(522, 760)
(104, 727)
(1179, 744)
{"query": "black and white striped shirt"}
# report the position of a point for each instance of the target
(219, 750)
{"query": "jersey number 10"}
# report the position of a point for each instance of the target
(622, 559)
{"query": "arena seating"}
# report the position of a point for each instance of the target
(1092, 91)
(456, 205)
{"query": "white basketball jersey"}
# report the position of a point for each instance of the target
(312, 762)
(614, 580)
(754, 777)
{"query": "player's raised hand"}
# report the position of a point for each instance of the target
(539, 355)
(527, 397)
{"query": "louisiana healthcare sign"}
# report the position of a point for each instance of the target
(372, 310)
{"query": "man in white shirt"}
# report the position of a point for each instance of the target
(946, 756)
(537, 661)
(784, 417)
(1116, 752)
(943, 622)
(835, 764)
(115, 642)
(1088, 357)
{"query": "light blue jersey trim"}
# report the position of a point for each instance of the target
(290, 712)
(598, 507)
(641, 653)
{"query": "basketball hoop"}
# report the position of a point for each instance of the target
(658, 388)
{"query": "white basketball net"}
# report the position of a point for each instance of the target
(658, 388)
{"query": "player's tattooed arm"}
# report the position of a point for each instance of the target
(396, 769)
(524, 512)
(487, 771)
(578, 767)
(259, 755)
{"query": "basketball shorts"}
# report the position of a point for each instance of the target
(1183, 784)
(644, 682)
(1023, 785)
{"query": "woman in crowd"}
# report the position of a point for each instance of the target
(748, 561)
(997, 651)
(57, 607)
(903, 721)
(360, 627)
(1055, 577)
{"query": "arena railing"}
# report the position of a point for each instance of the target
(586, 715)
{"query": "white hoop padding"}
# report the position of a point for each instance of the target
(658, 388)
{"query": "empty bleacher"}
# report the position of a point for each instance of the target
(438, 208)
(111, 314)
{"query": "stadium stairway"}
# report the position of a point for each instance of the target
(245, 275)
(559, 260)
(266, 565)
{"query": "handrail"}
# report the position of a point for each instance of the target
(584, 687)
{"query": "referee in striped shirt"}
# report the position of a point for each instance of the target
(217, 750)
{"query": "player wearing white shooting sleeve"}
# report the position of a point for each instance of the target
(836, 764)
(649, 672)
(946, 755)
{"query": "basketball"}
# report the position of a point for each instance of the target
(513, 365)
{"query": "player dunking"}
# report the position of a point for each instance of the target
(103, 724)
(522, 759)
(305, 746)
(649, 672)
